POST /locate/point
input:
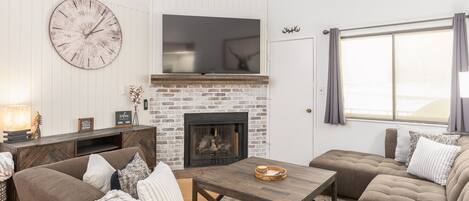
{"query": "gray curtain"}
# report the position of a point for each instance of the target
(459, 113)
(335, 104)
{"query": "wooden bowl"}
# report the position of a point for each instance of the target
(262, 173)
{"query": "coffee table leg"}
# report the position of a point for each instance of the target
(195, 190)
(334, 191)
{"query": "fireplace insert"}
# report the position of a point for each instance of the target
(215, 138)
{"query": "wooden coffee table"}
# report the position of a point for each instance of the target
(238, 181)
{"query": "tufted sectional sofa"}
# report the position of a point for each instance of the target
(370, 177)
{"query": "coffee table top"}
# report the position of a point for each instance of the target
(238, 181)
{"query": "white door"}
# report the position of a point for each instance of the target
(291, 106)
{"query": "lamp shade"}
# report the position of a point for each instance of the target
(16, 118)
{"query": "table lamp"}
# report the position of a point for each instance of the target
(16, 119)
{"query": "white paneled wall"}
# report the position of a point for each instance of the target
(253, 9)
(314, 16)
(32, 73)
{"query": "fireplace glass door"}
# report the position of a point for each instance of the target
(214, 143)
(217, 144)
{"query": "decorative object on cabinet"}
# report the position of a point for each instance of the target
(124, 119)
(290, 30)
(135, 96)
(86, 34)
(36, 126)
(51, 149)
(16, 121)
(85, 125)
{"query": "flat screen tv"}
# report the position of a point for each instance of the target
(207, 45)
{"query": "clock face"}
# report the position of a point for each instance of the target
(85, 33)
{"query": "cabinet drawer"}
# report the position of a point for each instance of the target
(45, 154)
(145, 140)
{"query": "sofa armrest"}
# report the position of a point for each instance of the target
(43, 184)
(390, 143)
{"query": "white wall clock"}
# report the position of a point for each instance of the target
(85, 33)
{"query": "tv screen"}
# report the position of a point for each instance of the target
(211, 45)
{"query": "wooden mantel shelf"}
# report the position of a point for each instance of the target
(208, 79)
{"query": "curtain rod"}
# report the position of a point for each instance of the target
(325, 32)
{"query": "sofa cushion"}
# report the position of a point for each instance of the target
(390, 188)
(43, 184)
(390, 143)
(464, 194)
(76, 167)
(355, 170)
(458, 178)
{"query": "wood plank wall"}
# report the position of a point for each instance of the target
(32, 73)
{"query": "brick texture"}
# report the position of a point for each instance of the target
(170, 102)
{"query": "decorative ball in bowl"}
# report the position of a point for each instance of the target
(270, 173)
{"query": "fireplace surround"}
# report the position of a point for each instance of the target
(215, 138)
(171, 97)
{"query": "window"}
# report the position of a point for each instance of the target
(402, 76)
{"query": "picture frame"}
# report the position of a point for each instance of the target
(123, 119)
(85, 125)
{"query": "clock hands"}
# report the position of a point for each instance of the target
(94, 28)
(96, 31)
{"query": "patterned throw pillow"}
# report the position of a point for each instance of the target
(443, 139)
(136, 170)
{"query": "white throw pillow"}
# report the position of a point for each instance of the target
(433, 160)
(403, 145)
(160, 185)
(99, 173)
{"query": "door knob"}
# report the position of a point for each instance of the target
(309, 110)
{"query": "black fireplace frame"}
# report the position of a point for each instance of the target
(215, 118)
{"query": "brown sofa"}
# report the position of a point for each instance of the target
(62, 181)
(370, 177)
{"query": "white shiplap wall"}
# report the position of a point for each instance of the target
(252, 9)
(32, 73)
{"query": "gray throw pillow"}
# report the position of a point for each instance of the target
(135, 171)
(443, 139)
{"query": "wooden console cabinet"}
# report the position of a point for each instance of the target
(61, 147)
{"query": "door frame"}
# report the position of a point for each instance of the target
(314, 90)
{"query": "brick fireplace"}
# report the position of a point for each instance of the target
(172, 100)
